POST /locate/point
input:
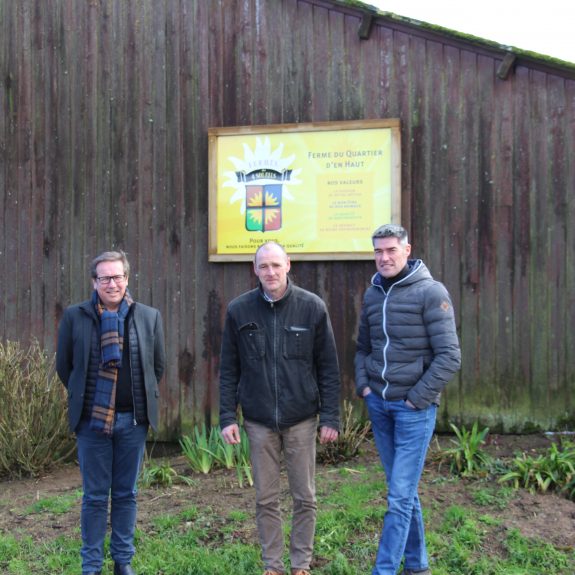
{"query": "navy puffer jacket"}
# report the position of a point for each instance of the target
(407, 346)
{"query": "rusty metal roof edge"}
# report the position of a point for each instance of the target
(526, 58)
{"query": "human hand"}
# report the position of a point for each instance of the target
(231, 434)
(327, 434)
(409, 404)
(366, 391)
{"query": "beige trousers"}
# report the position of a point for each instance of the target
(298, 446)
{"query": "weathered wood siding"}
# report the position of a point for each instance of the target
(104, 111)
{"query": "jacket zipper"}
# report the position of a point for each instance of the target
(131, 373)
(385, 330)
(386, 343)
(275, 368)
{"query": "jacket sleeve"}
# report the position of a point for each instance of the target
(362, 351)
(327, 370)
(230, 371)
(159, 348)
(439, 321)
(65, 349)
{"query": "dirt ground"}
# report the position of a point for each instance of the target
(546, 516)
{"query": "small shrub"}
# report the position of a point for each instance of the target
(352, 434)
(467, 458)
(33, 422)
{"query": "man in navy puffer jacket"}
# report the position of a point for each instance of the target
(407, 351)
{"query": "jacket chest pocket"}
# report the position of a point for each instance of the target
(252, 341)
(297, 342)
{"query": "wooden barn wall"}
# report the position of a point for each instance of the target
(105, 106)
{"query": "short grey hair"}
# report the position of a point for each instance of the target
(267, 245)
(391, 231)
(113, 256)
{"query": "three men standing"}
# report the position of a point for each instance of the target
(279, 362)
(111, 358)
(407, 351)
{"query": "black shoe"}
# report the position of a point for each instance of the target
(93, 573)
(123, 569)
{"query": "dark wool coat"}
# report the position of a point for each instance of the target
(77, 361)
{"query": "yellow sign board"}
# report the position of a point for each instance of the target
(318, 189)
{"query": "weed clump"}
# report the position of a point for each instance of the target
(352, 434)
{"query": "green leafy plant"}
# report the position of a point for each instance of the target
(200, 449)
(161, 474)
(242, 459)
(550, 471)
(206, 450)
(34, 432)
(467, 458)
(225, 454)
(352, 434)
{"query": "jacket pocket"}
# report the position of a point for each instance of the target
(252, 341)
(404, 373)
(298, 343)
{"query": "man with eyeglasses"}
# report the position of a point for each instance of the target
(407, 351)
(111, 358)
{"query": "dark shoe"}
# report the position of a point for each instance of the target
(123, 569)
(93, 573)
(410, 572)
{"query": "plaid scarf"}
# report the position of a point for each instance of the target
(111, 345)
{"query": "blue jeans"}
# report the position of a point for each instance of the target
(402, 435)
(109, 465)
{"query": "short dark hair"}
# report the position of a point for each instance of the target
(391, 231)
(112, 256)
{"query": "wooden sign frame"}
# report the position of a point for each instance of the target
(319, 189)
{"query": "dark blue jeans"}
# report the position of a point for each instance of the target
(402, 435)
(109, 465)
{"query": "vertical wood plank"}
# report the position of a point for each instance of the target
(104, 111)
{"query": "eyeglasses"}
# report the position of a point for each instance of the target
(105, 280)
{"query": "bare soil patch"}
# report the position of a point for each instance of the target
(549, 517)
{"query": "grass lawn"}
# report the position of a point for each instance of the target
(474, 527)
